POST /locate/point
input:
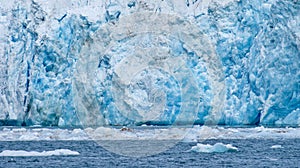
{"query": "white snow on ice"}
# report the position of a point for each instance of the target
(218, 147)
(195, 134)
(57, 152)
(276, 147)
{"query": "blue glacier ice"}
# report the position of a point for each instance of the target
(122, 62)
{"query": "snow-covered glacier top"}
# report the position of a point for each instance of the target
(165, 62)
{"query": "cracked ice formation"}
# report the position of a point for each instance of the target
(257, 44)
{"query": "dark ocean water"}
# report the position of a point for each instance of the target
(252, 153)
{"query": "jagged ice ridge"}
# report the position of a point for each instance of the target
(256, 42)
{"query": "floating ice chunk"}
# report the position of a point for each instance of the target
(272, 159)
(57, 152)
(19, 130)
(218, 147)
(29, 137)
(276, 147)
(194, 134)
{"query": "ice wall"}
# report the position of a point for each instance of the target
(43, 66)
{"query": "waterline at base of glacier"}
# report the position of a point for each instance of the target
(197, 133)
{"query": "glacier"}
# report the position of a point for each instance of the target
(133, 62)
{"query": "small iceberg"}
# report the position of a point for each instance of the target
(218, 147)
(57, 152)
(276, 147)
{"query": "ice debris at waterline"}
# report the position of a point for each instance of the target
(60, 60)
(218, 148)
(57, 152)
(195, 134)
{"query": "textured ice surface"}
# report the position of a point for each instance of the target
(57, 152)
(45, 78)
(276, 147)
(218, 147)
(195, 134)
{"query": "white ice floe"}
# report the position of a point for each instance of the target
(205, 132)
(218, 147)
(276, 147)
(57, 152)
(195, 134)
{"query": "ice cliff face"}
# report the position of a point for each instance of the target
(213, 62)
